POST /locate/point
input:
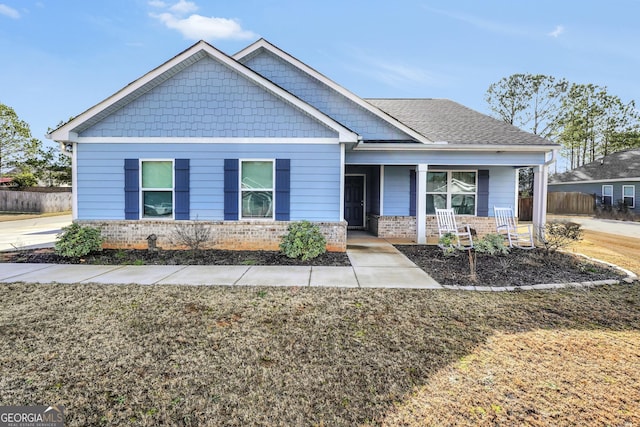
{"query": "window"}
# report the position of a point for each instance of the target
(452, 189)
(256, 187)
(157, 188)
(629, 195)
(607, 195)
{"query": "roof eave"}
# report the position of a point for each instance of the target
(596, 181)
(444, 146)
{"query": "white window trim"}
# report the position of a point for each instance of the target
(142, 190)
(273, 189)
(633, 197)
(449, 193)
(607, 195)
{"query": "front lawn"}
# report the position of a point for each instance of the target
(171, 355)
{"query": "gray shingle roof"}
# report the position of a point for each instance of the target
(621, 165)
(443, 120)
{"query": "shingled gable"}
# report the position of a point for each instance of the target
(69, 131)
(619, 166)
(255, 48)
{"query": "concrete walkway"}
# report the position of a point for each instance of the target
(375, 264)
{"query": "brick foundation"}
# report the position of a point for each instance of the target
(404, 227)
(239, 235)
(400, 227)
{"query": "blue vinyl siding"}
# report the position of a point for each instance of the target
(502, 187)
(323, 97)
(208, 99)
(314, 186)
(397, 190)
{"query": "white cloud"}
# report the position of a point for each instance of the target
(482, 24)
(9, 11)
(392, 73)
(557, 31)
(183, 7)
(398, 75)
(198, 27)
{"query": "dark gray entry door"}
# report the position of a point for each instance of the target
(354, 201)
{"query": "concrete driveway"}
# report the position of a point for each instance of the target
(31, 233)
(610, 226)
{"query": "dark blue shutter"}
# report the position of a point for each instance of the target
(283, 189)
(231, 188)
(483, 193)
(131, 189)
(412, 193)
(181, 208)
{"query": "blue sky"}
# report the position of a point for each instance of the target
(58, 58)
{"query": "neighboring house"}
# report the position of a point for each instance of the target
(614, 179)
(6, 182)
(252, 141)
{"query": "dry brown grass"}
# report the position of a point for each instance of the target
(620, 250)
(171, 355)
(536, 378)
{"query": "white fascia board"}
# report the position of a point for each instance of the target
(443, 146)
(262, 43)
(63, 132)
(597, 181)
(205, 140)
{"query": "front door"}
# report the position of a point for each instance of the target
(354, 201)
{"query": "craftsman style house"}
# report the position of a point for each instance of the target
(247, 143)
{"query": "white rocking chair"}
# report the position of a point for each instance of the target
(447, 225)
(519, 236)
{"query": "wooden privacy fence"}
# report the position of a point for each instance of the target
(34, 202)
(570, 203)
(525, 209)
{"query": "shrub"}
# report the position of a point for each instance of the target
(76, 241)
(24, 180)
(491, 244)
(558, 235)
(448, 242)
(303, 240)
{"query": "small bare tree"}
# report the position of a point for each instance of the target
(192, 234)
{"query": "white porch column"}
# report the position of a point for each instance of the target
(421, 204)
(540, 179)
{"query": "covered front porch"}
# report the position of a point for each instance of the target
(394, 201)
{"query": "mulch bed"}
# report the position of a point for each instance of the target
(174, 257)
(518, 268)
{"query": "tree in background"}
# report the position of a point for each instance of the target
(50, 167)
(586, 120)
(16, 143)
(531, 102)
(595, 123)
(30, 161)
